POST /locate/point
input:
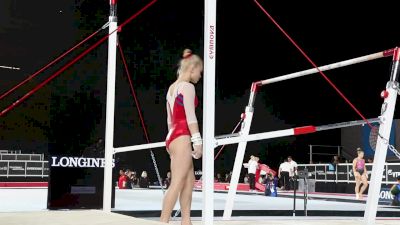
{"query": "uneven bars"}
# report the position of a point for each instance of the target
(292, 131)
(139, 147)
(236, 138)
(336, 65)
(346, 124)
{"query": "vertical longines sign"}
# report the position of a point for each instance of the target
(211, 44)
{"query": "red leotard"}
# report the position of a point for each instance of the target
(178, 124)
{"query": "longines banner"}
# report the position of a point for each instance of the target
(76, 182)
(28, 168)
(78, 162)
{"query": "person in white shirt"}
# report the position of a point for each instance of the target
(283, 174)
(293, 166)
(252, 166)
(293, 171)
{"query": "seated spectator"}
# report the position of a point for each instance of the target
(228, 177)
(144, 180)
(219, 178)
(135, 179)
(335, 161)
(122, 180)
(129, 183)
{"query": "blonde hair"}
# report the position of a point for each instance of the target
(188, 59)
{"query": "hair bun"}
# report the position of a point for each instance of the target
(186, 53)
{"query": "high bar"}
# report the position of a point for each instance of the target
(336, 65)
(346, 124)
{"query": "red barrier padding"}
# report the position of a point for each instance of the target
(223, 186)
(23, 184)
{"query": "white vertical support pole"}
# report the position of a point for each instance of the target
(387, 112)
(210, 9)
(310, 153)
(110, 104)
(237, 167)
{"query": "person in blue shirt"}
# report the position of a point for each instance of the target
(395, 190)
(271, 184)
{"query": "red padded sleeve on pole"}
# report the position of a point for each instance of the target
(396, 55)
(304, 130)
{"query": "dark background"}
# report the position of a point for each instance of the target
(69, 113)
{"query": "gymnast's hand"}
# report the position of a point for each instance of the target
(197, 151)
